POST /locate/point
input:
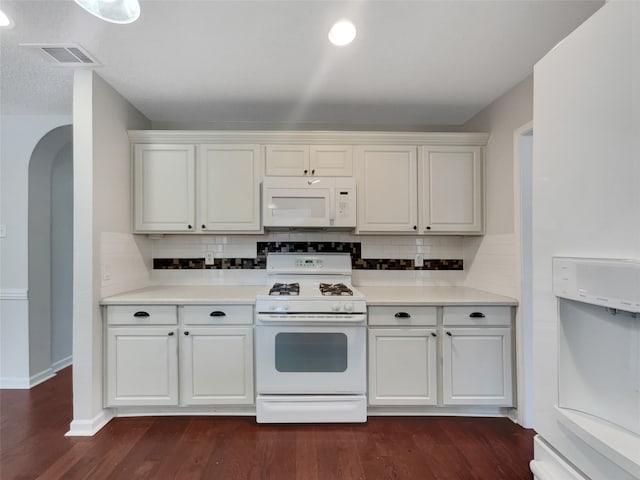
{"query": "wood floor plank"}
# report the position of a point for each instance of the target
(32, 445)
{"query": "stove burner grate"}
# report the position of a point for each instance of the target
(285, 289)
(335, 289)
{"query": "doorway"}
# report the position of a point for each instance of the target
(50, 247)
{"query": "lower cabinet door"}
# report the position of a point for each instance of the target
(216, 365)
(402, 366)
(142, 366)
(477, 366)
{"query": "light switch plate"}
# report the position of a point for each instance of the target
(209, 258)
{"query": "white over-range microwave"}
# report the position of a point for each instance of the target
(320, 202)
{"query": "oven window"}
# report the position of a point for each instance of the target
(311, 352)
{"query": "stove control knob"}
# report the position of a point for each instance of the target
(285, 306)
(348, 307)
(273, 307)
(335, 307)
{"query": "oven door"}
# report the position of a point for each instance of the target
(310, 359)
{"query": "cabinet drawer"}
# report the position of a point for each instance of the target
(402, 315)
(477, 316)
(142, 315)
(217, 314)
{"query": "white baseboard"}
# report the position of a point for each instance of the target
(25, 383)
(60, 364)
(88, 428)
(15, 383)
(43, 376)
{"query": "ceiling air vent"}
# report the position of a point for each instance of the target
(64, 55)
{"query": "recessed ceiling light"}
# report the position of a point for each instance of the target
(342, 33)
(5, 22)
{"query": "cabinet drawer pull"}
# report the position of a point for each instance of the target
(141, 314)
(402, 315)
(476, 315)
(217, 313)
(170, 334)
(433, 334)
(449, 333)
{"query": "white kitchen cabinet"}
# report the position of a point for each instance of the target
(316, 160)
(387, 188)
(472, 364)
(477, 360)
(402, 366)
(402, 355)
(228, 188)
(181, 189)
(217, 365)
(141, 365)
(450, 189)
(164, 188)
(439, 192)
(216, 357)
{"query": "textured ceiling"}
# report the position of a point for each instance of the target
(249, 63)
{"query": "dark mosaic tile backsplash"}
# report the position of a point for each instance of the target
(357, 262)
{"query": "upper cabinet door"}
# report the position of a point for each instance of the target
(164, 190)
(387, 198)
(331, 160)
(229, 188)
(450, 191)
(316, 160)
(287, 160)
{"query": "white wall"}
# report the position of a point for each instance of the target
(102, 182)
(586, 173)
(492, 262)
(19, 135)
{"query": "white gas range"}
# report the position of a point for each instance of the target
(310, 341)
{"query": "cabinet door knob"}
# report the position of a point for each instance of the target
(186, 333)
(217, 313)
(189, 227)
(171, 334)
(305, 172)
(433, 334)
(402, 315)
(449, 333)
(141, 314)
(476, 315)
(428, 228)
(415, 227)
(204, 227)
(313, 172)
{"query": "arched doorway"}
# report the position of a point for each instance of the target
(50, 233)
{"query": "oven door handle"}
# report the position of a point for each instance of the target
(311, 319)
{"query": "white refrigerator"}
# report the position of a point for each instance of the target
(586, 204)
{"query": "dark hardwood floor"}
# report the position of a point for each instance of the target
(33, 445)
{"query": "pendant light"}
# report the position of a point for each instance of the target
(115, 11)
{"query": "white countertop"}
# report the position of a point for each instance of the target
(429, 295)
(237, 294)
(187, 294)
